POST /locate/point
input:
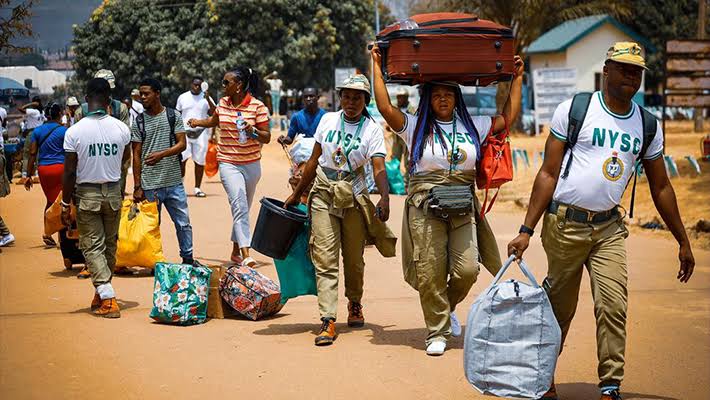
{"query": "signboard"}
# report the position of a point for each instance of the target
(687, 78)
(551, 86)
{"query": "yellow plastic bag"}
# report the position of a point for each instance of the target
(139, 243)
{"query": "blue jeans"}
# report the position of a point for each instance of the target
(175, 200)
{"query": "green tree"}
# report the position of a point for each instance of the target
(16, 24)
(301, 39)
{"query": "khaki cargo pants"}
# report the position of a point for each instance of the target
(98, 217)
(572, 246)
(446, 257)
(330, 234)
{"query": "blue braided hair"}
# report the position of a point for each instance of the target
(426, 123)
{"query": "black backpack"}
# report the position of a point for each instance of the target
(170, 113)
(577, 113)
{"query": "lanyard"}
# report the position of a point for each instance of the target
(454, 147)
(352, 141)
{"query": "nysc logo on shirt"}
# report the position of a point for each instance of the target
(613, 168)
(103, 149)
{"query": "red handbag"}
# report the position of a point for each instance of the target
(496, 165)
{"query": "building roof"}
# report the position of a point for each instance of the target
(570, 32)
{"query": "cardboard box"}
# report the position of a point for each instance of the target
(216, 307)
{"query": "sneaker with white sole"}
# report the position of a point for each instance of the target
(436, 348)
(199, 193)
(455, 326)
(7, 239)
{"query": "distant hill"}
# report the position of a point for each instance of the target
(52, 22)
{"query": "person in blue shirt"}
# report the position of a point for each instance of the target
(305, 121)
(47, 152)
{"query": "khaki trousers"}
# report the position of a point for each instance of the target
(330, 234)
(98, 216)
(571, 246)
(446, 257)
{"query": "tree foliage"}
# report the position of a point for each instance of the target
(16, 24)
(301, 39)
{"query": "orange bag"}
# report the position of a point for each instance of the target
(53, 216)
(211, 166)
(496, 165)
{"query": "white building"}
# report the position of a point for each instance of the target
(42, 81)
(582, 44)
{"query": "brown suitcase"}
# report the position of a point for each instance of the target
(446, 47)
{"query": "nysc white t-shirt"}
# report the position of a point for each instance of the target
(436, 157)
(99, 143)
(607, 148)
(367, 144)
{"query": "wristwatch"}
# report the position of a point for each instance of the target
(525, 229)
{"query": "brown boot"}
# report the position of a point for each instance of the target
(551, 394)
(108, 309)
(84, 273)
(95, 302)
(327, 333)
(355, 317)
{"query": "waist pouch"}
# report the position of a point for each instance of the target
(449, 201)
(194, 133)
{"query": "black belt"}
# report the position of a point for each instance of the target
(577, 215)
(98, 185)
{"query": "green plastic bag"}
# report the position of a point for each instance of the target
(180, 294)
(297, 275)
(394, 176)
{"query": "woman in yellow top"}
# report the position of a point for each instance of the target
(440, 253)
(243, 121)
(342, 216)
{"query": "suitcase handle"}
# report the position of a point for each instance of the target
(523, 267)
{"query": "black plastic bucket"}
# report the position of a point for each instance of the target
(276, 228)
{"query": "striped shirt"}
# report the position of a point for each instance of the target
(229, 150)
(166, 172)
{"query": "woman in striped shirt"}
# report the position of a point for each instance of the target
(244, 124)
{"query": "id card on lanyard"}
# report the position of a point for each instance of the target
(453, 156)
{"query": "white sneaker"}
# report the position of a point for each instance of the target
(455, 326)
(7, 239)
(199, 193)
(436, 348)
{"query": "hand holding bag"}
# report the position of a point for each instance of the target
(496, 165)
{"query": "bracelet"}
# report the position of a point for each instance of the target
(525, 229)
(63, 204)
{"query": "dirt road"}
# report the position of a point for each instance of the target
(51, 347)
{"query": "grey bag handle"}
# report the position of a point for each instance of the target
(523, 267)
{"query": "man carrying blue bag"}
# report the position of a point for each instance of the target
(595, 149)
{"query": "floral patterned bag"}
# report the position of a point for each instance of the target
(180, 294)
(250, 293)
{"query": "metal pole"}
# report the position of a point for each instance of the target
(702, 14)
(377, 16)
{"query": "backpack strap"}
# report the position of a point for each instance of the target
(649, 123)
(44, 139)
(577, 113)
(140, 123)
(170, 113)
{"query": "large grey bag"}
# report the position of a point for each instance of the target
(512, 338)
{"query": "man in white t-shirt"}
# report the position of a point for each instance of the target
(33, 118)
(275, 85)
(583, 224)
(195, 104)
(96, 147)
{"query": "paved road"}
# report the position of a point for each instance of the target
(52, 348)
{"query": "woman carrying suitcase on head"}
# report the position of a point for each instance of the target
(342, 216)
(47, 153)
(440, 251)
(243, 121)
